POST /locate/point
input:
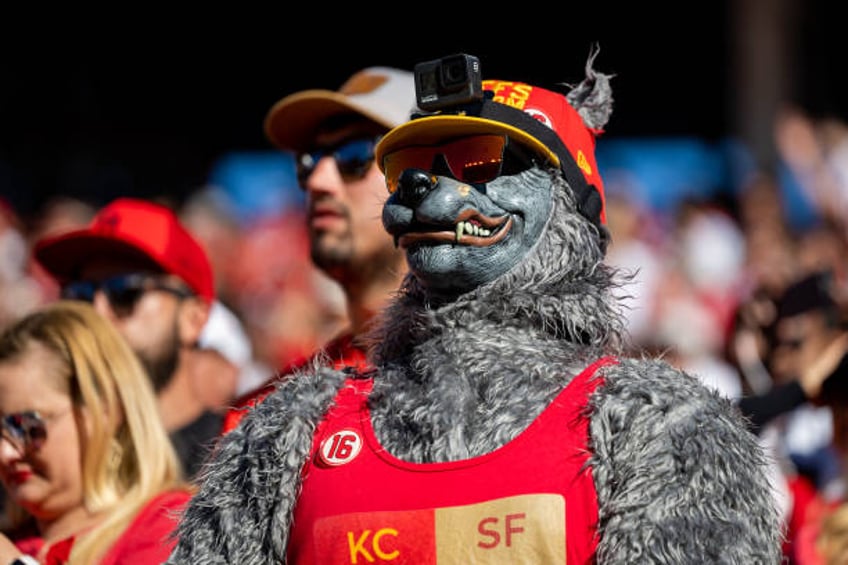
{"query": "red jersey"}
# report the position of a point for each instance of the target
(145, 541)
(341, 351)
(531, 501)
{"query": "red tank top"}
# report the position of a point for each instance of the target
(531, 501)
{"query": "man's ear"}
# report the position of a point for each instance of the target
(193, 315)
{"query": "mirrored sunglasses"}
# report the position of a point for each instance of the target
(353, 159)
(474, 159)
(124, 291)
(26, 431)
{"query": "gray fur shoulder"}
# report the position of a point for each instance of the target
(243, 509)
(669, 455)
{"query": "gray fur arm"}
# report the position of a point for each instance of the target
(243, 510)
(679, 477)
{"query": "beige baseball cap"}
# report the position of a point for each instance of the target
(382, 94)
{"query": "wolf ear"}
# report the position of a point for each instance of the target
(592, 98)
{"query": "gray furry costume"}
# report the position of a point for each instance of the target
(508, 298)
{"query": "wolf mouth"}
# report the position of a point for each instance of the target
(470, 228)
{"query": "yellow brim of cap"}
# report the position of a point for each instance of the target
(431, 130)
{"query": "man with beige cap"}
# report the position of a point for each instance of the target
(333, 135)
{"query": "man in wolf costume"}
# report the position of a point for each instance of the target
(502, 423)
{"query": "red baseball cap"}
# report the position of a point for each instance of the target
(538, 118)
(139, 228)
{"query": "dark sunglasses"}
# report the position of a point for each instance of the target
(27, 431)
(353, 159)
(475, 159)
(124, 291)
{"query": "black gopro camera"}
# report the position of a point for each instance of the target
(449, 81)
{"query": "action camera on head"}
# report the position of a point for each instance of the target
(449, 81)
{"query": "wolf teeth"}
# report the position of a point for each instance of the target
(471, 229)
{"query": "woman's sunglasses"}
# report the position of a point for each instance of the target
(353, 159)
(124, 291)
(27, 431)
(475, 159)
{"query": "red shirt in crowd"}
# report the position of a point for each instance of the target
(145, 542)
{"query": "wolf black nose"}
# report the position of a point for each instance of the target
(413, 186)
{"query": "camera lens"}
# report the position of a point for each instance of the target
(454, 73)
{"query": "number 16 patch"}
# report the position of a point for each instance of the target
(340, 447)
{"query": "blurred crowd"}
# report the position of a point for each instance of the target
(754, 302)
(726, 287)
(273, 306)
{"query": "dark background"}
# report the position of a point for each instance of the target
(144, 104)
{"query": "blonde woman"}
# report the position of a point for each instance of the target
(90, 474)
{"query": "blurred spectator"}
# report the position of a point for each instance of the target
(206, 214)
(700, 291)
(641, 255)
(823, 536)
(292, 308)
(815, 151)
(224, 337)
(90, 476)
(60, 214)
(808, 355)
(771, 265)
(285, 306)
(334, 135)
(809, 320)
(824, 247)
(19, 291)
(57, 215)
(145, 273)
(809, 333)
